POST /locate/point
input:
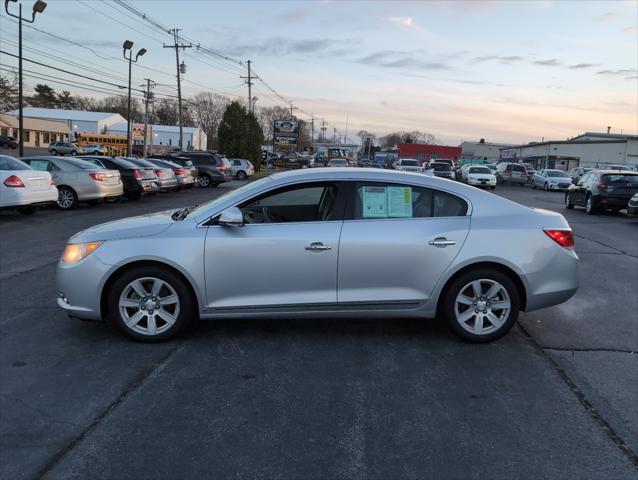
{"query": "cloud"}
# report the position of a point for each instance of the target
(605, 17)
(405, 21)
(402, 59)
(552, 62)
(624, 71)
(584, 65)
(505, 59)
(284, 46)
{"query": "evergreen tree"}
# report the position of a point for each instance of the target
(240, 135)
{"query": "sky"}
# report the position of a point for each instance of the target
(505, 71)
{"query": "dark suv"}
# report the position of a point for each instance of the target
(602, 190)
(8, 142)
(209, 167)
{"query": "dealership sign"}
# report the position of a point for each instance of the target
(286, 134)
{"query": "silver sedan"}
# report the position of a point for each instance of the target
(321, 243)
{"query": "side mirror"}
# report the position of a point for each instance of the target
(231, 217)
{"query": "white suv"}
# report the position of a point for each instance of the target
(408, 165)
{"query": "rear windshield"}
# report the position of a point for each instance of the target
(480, 170)
(125, 163)
(336, 161)
(441, 167)
(410, 163)
(83, 164)
(556, 173)
(10, 163)
(620, 178)
(141, 163)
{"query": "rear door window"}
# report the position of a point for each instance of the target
(42, 165)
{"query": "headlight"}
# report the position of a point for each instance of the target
(74, 252)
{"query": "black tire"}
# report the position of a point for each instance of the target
(241, 175)
(533, 185)
(590, 205)
(186, 302)
(448, 306)
(204, 181)
(67, 198)
(177, 189)
(73, 153)
(546, 187)
(27, 210)
(54, 152)
(568, 202)
(492, 188)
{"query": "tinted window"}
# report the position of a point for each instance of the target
(633, 179)
(302, 204)
(10, 163)
(441, 167)
(410, 163)
(42, 165)
(479, 170)
(83, 164)
(556, 173)
(385, 200)
(518, 168)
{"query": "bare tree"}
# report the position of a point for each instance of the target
(207, 111)
(8, 92)
(415, 136)
(267, 116)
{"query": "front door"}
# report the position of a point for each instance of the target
(285, 255)
(396, 242)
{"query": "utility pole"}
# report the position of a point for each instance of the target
(148, 97)
(180, 69)
(323, 130)
(292, 109)
(346, 134)
(334, 135)
(312, 129)
(250, 84)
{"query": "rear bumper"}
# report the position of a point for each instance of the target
(612, 202)
(169, 183)
(20, 197)
(555, 283)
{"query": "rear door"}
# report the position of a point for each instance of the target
(396, 242)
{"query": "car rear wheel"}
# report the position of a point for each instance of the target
(546, 186)
(533, 184)
(481, 305)
(67, 199)
(590, 206)
(241, 175)
(150, 304)
(73, 153)
(54, 152)
(568, 202)
(204, 181)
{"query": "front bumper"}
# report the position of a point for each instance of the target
(632, 208)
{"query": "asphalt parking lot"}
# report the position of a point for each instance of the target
(339, 398)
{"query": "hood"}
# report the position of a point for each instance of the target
(142, 226)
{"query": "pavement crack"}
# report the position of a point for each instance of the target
(589, 408)
(110, 408)
(605, 245)
(610, 350)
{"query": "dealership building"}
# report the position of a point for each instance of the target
(482, 150)
(193, 138)
(590, 149)
(425, 153)
(38, 133)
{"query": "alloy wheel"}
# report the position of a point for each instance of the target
(482, 306)
(65, 198)
(149, 306)
(204, 181)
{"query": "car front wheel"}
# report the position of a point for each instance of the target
(150, 304)
(533, 184)
(73, 153)
(54, 152)
(481, 305)
(590, 206)
(568, 202)
(204, 181)
(241, 175)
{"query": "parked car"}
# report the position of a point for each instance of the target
(23, 188)
(165, 175)
(152, 275)
(512, 173)
(78, 180)
(8, 142)
(623, 168)
(183, 175)
(185, 162)
(293, 160)
(241, 169)
(530, 170)
(338, 162)
(93, 149)
(478, 176)
(209, 165)
(408, 165)
(64, 148)
(442, 169)
(632, 205)
(136, 180)
(602, 190)
(550, 179)
(576, 173)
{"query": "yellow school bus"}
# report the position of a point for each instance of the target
(112, 145)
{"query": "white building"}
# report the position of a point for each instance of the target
(168, 135)
(76, 120)
(587, 150)
(482, 150)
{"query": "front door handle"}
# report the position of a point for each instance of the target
(317, 247)
(441, 242)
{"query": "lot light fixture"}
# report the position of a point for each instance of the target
(127, 46)
(38, 7)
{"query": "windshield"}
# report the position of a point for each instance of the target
(441, 167)
(229, 196)
(410, 163)
(337, 162)
(337, 152)
(480, 170)
(10, 163)
(556, 173)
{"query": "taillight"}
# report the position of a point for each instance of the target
(14, 181)
(525, 174)
(137, 175)
(160, 173)
(603, 186)
(97, 176)
(565, 237)
(180, 171)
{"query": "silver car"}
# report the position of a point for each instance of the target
(78, 180)
(241, 169)
(322, 243)
(63, 148)
(550, 179)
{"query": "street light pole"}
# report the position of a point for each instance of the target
(38, 7)
(126, 47)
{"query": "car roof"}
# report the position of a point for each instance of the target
(616, 172)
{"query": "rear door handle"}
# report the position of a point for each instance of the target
(317, 247)
(441, 242)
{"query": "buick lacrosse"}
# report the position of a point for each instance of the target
(347, 242)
